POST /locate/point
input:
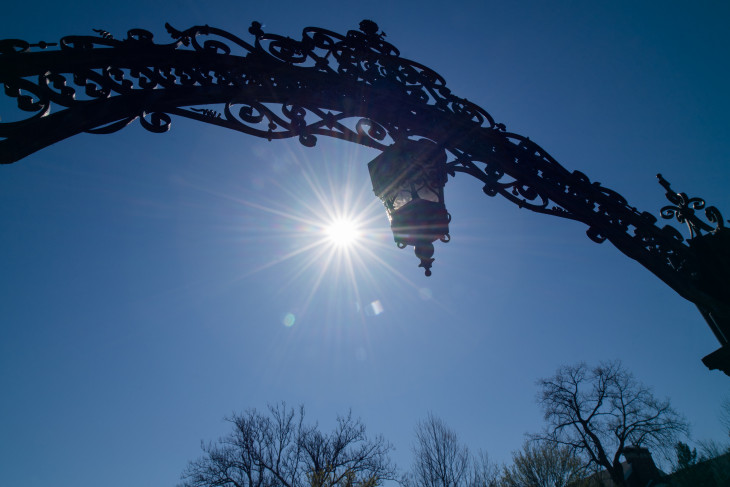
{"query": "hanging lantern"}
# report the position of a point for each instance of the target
(409, 177)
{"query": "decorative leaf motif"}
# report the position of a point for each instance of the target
(207, 112)
(104, 34)
(683, 209)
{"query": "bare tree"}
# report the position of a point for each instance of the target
(440, 460)
(599, 411)
(540, 464)
(279, 450)
(484, 473)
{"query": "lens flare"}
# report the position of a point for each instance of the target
(289, 320)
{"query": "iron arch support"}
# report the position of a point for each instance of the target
(355, 87)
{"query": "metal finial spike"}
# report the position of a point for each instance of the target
(664, 183)
(256, 29)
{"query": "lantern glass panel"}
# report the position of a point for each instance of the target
(428, 194)
(409, 170)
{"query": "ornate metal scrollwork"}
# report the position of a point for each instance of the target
(354, 87)
(277, 87)
(683, 209)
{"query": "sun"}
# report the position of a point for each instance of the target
(325, 229)
(343, 232)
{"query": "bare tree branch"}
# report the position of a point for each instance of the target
(278, 450)
(440, 460)
(599, 411)
(541, 464)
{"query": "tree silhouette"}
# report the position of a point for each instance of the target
(541, 464)
(599, 411)
(441, 460)
(279, 449)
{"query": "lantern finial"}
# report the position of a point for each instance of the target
(424, 251)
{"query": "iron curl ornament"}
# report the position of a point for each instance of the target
(355, 87)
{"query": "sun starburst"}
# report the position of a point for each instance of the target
(343, 232)
(321, 232)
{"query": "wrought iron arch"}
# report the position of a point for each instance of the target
(354, 87)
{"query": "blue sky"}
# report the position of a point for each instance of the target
(145, 285)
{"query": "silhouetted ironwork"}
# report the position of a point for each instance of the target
(354, 87)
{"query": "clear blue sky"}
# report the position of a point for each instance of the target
(138, 308)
